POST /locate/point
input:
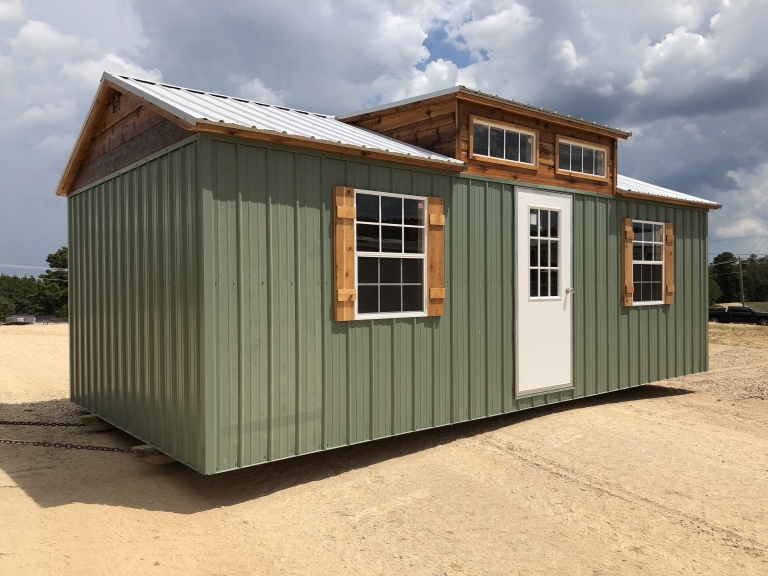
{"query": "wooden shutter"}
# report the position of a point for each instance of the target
(344, 253)
(669, 263)
(627, 286)
(436, 256)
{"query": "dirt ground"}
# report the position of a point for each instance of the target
(663, 479)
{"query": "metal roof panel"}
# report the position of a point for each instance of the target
(640, 187)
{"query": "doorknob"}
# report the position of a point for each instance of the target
(569, 290)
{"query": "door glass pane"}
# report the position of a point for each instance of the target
(414, 240)
(576, 158)
(544, 283)
(367, 299)
(553, 283)
(553, 253)
(413, 299)
(553, 224)
(391, 210)
(512, 146)
(367, 238)
(368, 270)
(534, 252)
(391, 239)
(526, 148)
(414, 212)
(390, 270)
(413, 270)
(600, 163)
(534, 282)
(390, 298)
(544, 253)
(564, 160)
(544, 228)
(480, 139)
(497, 143)
(534, 223)
(367, 207)
(589, 161)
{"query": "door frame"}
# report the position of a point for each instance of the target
(515, 288)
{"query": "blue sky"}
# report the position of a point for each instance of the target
(689, 79)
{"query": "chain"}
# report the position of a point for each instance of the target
(67, 445)
(17, 423)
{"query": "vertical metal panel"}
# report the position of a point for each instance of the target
(135, 313)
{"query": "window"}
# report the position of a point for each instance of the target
(503, 142)
(648, 262)
(390, 245)
(579, 158)
(544, 259)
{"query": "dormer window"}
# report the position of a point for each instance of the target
(506, 143)
(581, 159)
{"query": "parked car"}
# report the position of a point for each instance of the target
(737, 314)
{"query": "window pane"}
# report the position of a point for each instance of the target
(647, 296)
(392, 239)
(367, 299)
(534, 283)
(534, 252)
(512, 146)
(414, 240)
(544, 227)
(367, 207)
(656, 273)
(656, 291)
(600, 162)
(526, 148)
(648, 232)
(576, 158)
(534, 223)
(658, 252)
(589, 161)
(368, 270)
(648, 252)
(390, 270)
(391, 210)
(658, 233)
(637, 228)
(636, 297)
(544, 283)
(553, 253)
(413, 299)
(565, 156)
(636, 272)
(367, 238)
(553, 283)
(413, 270)
(544, 253)
(497, 143)
(480, 139)
(647, 272)
(414, 212)
(553, 221)
(637, 251)
(390, 298)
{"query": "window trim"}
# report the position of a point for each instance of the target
(661, 263)
(506, 126)
(423, 256)
(585, 144)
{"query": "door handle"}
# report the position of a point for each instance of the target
(569, 291)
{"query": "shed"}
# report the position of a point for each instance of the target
(251, 282)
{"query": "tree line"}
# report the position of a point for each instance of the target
(46, 295)
(724, 282)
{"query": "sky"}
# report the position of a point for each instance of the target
(689, 79)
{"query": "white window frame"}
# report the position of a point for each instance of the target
(559, 265)
(581, 144)
(422, 256)
(507, 128)
(653, 263)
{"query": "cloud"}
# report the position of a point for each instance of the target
(57, 144)
(50, 113)
(11, 10)
(36, 36)
(88, 72)
(740, 229)
(256, 90)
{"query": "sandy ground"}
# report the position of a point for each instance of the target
(664, 479)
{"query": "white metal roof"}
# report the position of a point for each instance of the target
(640, 187)
(193, 105)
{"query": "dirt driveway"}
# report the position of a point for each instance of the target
(665, 479)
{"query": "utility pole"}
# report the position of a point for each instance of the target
(741, 281)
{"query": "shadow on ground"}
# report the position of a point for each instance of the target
(56, 477)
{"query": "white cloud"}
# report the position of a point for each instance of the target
(743, 228)
(57, 144)
(498, 31)
(11, 10)
(88, 72)
(256, 90)
(50, 113)
(35, 36)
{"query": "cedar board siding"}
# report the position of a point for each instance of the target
(231, 357)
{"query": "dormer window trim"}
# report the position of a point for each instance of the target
(507, 127)
(583, 144)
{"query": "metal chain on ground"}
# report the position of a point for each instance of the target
(67, 445)
(22, 423)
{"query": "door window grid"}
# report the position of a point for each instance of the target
(544, 253)
(648, 262)
(390, 240)
(581, 159)
(501, 143)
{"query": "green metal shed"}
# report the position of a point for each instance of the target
(202, 293)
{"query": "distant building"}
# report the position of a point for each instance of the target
(20, 319)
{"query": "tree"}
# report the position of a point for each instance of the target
(715, 294)
(725, 272)
(53, 296)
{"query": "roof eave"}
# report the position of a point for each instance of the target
(661, 199)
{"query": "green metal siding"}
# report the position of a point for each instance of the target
(202, 306)
(135, 303)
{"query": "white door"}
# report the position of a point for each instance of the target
(544, 292)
